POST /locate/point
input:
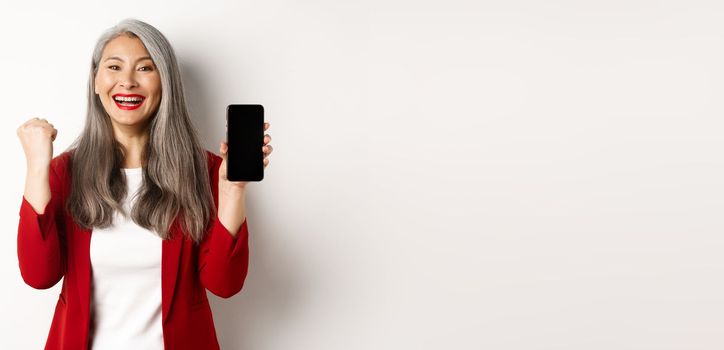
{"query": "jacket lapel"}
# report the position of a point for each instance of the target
(170, 256)
(83, 271)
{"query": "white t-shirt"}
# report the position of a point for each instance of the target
(126, 282)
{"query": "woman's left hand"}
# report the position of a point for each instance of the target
(224, 183)
(232, 194)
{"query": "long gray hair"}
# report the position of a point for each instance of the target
(175, 173)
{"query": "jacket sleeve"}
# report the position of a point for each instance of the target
(41, 239)
(223, 259)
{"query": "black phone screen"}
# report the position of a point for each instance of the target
(245, 138)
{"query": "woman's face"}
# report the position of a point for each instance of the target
(127, 71)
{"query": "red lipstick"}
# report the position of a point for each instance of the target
(130, 101)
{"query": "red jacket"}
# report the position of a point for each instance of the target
(52, 246)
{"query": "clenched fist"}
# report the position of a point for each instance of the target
(37, 136)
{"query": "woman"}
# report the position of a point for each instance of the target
(165, 222)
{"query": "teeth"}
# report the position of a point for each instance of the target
(119, 98)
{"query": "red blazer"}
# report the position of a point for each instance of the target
(52, 246)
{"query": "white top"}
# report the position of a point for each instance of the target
(126, 289)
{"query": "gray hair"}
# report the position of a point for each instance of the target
(176, 175)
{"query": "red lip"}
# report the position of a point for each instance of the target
(129, 108)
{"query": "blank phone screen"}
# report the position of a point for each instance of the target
(245, 137)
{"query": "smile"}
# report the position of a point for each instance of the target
(128, 102)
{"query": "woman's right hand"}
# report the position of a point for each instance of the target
(37, 136)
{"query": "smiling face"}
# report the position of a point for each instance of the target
(127, 82)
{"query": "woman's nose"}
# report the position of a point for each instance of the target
(128, 80)
(128, 84)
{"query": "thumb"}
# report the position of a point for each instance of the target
(223, 149)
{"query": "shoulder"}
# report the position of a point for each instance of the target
(60, 164)
(213, 160)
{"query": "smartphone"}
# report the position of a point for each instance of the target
(245, 138)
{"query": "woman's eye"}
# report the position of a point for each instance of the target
(147, 68)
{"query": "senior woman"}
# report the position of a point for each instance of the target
(135, 216)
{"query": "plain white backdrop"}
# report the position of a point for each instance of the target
(453, 175)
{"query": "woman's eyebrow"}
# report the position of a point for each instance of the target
(120, 59)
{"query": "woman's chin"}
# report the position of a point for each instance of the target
(130, 120)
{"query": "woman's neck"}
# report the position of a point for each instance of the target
(133, 146)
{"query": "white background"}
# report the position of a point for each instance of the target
(453, 175)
